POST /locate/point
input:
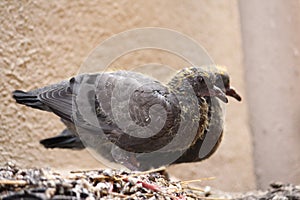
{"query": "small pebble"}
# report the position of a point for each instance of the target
(107, 172)
(50, 192)
(132, 181)
(207, 191)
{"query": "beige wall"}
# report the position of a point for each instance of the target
(271, 40)
(43, 42)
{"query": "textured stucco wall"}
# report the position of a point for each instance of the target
(43, 42)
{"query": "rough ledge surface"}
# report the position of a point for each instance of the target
(43, 184)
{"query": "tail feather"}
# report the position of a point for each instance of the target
(65, 140)
(29, 99)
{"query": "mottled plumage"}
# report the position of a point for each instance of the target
(130, 118)
(206, 146)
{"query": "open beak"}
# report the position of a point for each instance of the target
(215, 91)
(231, 92)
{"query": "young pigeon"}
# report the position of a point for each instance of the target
(128, 117)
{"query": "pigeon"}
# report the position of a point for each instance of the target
(132, 119)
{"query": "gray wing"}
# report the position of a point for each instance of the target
(124, 102)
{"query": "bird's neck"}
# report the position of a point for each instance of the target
(180, 82)
(182, 88)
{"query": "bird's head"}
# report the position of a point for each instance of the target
(204, 83)
(223, 82)
(220, 77)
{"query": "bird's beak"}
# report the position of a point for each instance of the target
(231, 92)
(216, 91)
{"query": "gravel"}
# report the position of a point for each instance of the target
(41, 184)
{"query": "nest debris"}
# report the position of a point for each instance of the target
(43, 184)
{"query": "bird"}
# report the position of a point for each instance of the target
(132, 119)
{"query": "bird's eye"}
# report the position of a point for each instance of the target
(200, 79)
